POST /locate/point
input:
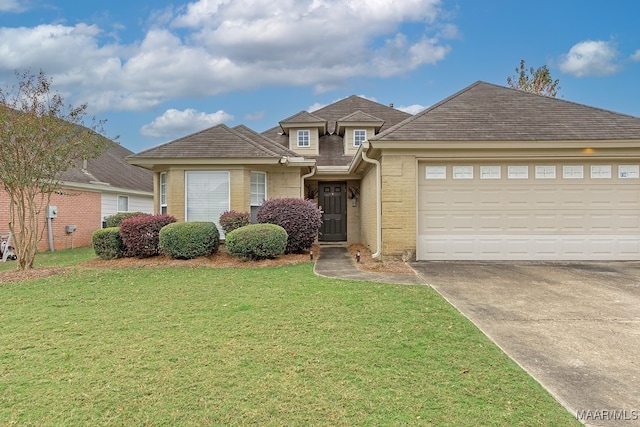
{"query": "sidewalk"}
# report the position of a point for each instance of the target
(335, 262)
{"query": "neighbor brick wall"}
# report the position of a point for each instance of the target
(398, 205)
(79, 208)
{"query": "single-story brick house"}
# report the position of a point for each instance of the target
(93, 190)
(489, 173)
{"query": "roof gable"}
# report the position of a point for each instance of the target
(218, 142)
(358, 118)
(348, 106)
(487, 112)
(304, 119)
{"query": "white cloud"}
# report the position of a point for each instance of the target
(411, 109)
(215, 46)
(174, 123)
(591, 58)
(13, 5)
(636, 56)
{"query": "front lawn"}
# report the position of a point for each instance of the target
(262, 346)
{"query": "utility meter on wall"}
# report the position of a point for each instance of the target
(52, 212)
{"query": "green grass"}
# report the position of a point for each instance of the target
(276, 346)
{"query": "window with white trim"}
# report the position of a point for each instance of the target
(600, 171)
(207, 196)
(163, 193)
(545, 172)
(463, 172)
(123, 203)
(436, 172)
(489, 172)
(359, 136)
(518, 172)
(573, 171)
(304, 138)
(258, 192)
(628, 171)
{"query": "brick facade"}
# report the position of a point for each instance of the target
(399, 206)
(79, 208)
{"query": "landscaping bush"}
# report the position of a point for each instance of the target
(300, 218)
(108, 244)
(116, 219)
(257, 241)
(230, 220)
(188, 240)
(140, 234)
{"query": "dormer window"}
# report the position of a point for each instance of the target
(304, 138)
(359, 136)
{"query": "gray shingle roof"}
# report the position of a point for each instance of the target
(487, 112)
(303, 117)
(111, 168)
(331, 145)
(360, 116)
(218, 142)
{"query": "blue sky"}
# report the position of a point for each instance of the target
(157, 70)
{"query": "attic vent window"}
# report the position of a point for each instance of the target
(359, 136)
(304, 138)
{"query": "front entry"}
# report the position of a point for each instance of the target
(332, 197)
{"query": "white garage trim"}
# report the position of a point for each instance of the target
(524, 212)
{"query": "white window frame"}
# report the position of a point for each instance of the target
(359, 136)
(518, 172)
(210, 197)
(257, 196)
(573, 172)
(462, 172)
(304, 138)
(435, 172)
(163, 192)
(600, 171)
(126, 201)
(545, 172)
(258, 192)
(628, 171)
(490, 172)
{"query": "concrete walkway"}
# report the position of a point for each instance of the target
(335, 262)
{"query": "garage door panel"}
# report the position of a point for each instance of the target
(553, 247)
(520, 219)
(629, 223)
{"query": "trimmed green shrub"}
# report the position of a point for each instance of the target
(257, 241)
(230, 220)
(107, 243)
(299, 217)
(188, 240)
(140, 234)
(116, 219)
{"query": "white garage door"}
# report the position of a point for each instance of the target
(560, 211)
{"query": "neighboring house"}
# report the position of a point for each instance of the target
(94, 190)
(488, 173)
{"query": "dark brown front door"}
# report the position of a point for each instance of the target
(332, 197)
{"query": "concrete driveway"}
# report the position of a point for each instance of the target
(575, 327)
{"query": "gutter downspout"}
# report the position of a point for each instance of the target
(302, 179)
(365, 147)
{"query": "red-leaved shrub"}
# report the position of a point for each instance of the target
(140, 234)
(300, 218)
(230, 220)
